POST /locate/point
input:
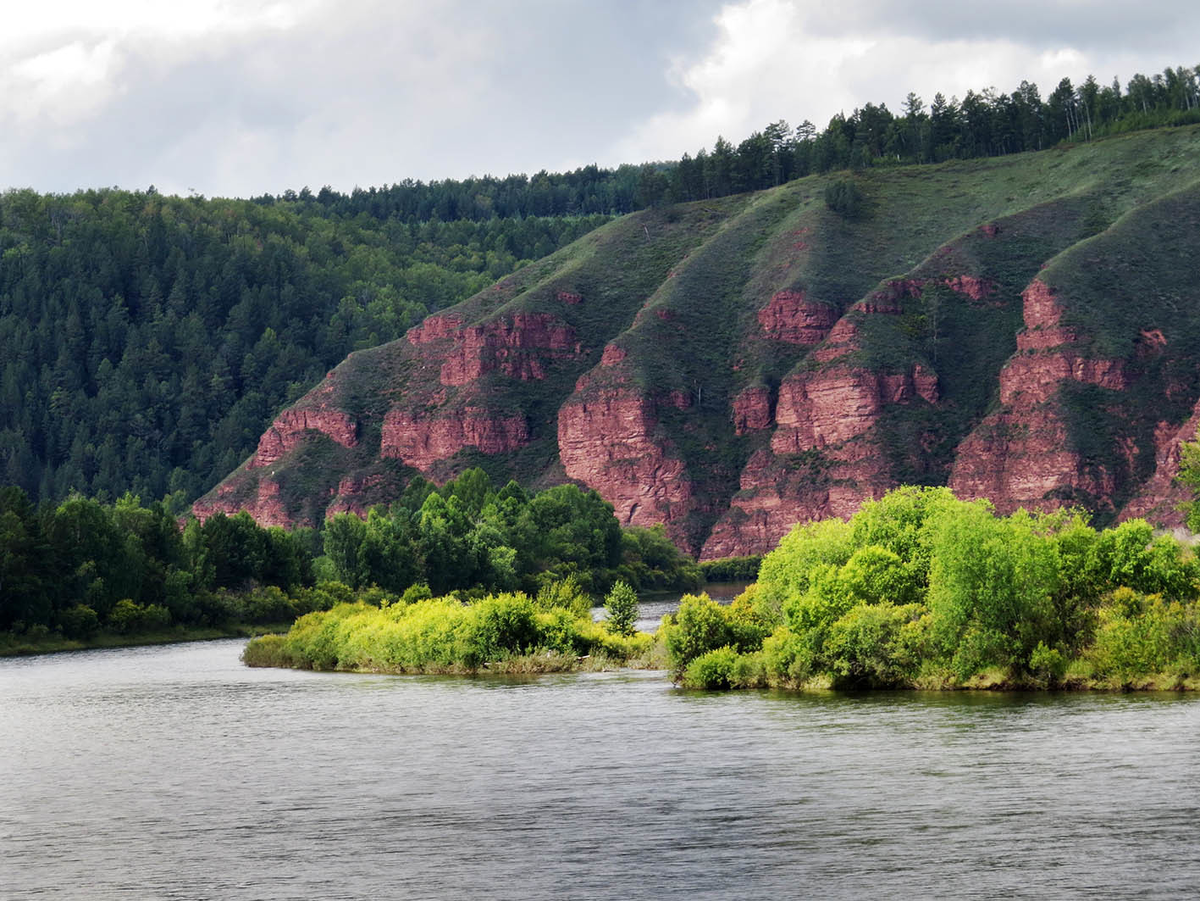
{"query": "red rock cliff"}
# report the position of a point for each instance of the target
(1021, 455)
(420, 442)
(289, 429)
(607, 441)
(791, 317)
(520, 345)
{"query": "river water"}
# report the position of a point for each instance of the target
(175, 772)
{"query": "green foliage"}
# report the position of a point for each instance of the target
(86, 567)
(920, 589)
(1189, 477)
(702, 625)
(149, 340)
(1140, 635)
(442, 635)
(653, 562)
(846, 199)
(874, 645)
(1047, 664)
(621, 604)
(731, 569)
(711, 670)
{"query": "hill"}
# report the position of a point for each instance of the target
(1023, 328)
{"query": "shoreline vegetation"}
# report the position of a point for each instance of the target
(25, 646)
(919, 590)
(88, 574)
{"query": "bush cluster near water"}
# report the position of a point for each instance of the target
(506, 632)
(85, 571)
(921, 590)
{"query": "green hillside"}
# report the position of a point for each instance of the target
(678, 296)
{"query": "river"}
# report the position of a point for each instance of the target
(174, 772)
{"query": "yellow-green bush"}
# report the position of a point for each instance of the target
(440, 635)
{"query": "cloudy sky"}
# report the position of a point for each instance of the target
(241, 97)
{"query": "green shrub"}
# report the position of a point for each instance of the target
(788, 658)
(844, 198)
(622, 607)
(866, 646)
(414, 593)
(699, 626)
(565, 593)
(79, 621)
(731, 569)
(712, 670)
(1047, 664)
(128, 618)
(1140, 635)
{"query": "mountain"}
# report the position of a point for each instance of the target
(1022, 328)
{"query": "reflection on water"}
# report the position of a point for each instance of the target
(177, 773)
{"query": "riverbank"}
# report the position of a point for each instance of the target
(31, 645)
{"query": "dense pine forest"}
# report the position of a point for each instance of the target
(146, 341)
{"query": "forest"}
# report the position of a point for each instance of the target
(148, 340)
(84, 567)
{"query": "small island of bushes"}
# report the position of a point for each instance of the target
(917, 590)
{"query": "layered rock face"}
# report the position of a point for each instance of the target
(831, 415)
(421, 442)
(288, 431)
(791, 317)
(1022, 455)
(1160, 498)
(266, 506)
(521, 345)
(607, 441)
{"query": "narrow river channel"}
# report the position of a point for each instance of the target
(175, 772)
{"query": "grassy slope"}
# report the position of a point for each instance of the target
(708, 267)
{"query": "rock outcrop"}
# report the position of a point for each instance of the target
(420, 442)
(1021, 455)
(791, 317)
(607, 440)
(289, 429)
(520, 345)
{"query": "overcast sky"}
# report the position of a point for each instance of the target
(242, 97)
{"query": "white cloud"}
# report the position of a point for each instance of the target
(246, 96)
(795, 60)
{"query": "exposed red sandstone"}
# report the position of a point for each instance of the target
(773, 498)
(520, 346)
(832, 412)
(607, 441)
(420, 442)
(753, 409)
(790, 317)
(1161, 496)
(613, 354)
(266, 507)
(1023, 459)
(350, 496)
(435, 328)
(831, 406)
(569, 297)
(289, 429)
(1020, 455)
